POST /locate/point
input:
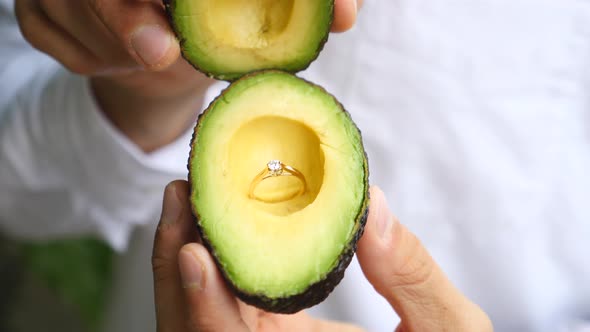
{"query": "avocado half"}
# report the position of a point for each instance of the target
(227, 39)
(279, 254)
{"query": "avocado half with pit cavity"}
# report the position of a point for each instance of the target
(226, 39)
(279, 249)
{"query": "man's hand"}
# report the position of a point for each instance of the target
(403, 272)
(195, 298)
(130, 53)
(109, 37)
(191, 295)
(133, 58)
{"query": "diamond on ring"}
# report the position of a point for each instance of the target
(275, 167)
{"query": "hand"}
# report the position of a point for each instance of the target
(191, 296)
(94, 37)
(128, 48)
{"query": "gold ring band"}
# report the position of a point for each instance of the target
(276, 168)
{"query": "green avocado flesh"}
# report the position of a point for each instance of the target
(289, 254)
(229, 38)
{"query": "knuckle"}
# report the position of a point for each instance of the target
(21, 9)
(414, 266)
(162, 268)
(27, 23)
(30, 17)
(27, 31)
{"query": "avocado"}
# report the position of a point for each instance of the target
(226, 39)
(278, 251)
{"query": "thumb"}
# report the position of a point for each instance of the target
(345, 12)
(402, 271)
(142, 29)
(210, 305)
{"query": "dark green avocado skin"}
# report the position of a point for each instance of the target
(232, 76)
(316, 292)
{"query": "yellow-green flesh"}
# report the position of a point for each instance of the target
(277, 249)
(231, 37)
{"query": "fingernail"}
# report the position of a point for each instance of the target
(384, 216)
(191, 270)
(151, 43)
(172, 207)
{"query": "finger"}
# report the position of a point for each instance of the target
(81, 23)
(176, 228)
(402, 271)
(344, 14)
(47, 37)
(142, 29)
(211, 306)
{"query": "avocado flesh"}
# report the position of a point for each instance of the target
(288, 255)
(229, 38)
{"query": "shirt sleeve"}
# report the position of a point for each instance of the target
(64, 169)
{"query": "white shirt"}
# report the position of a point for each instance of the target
(476, 120)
